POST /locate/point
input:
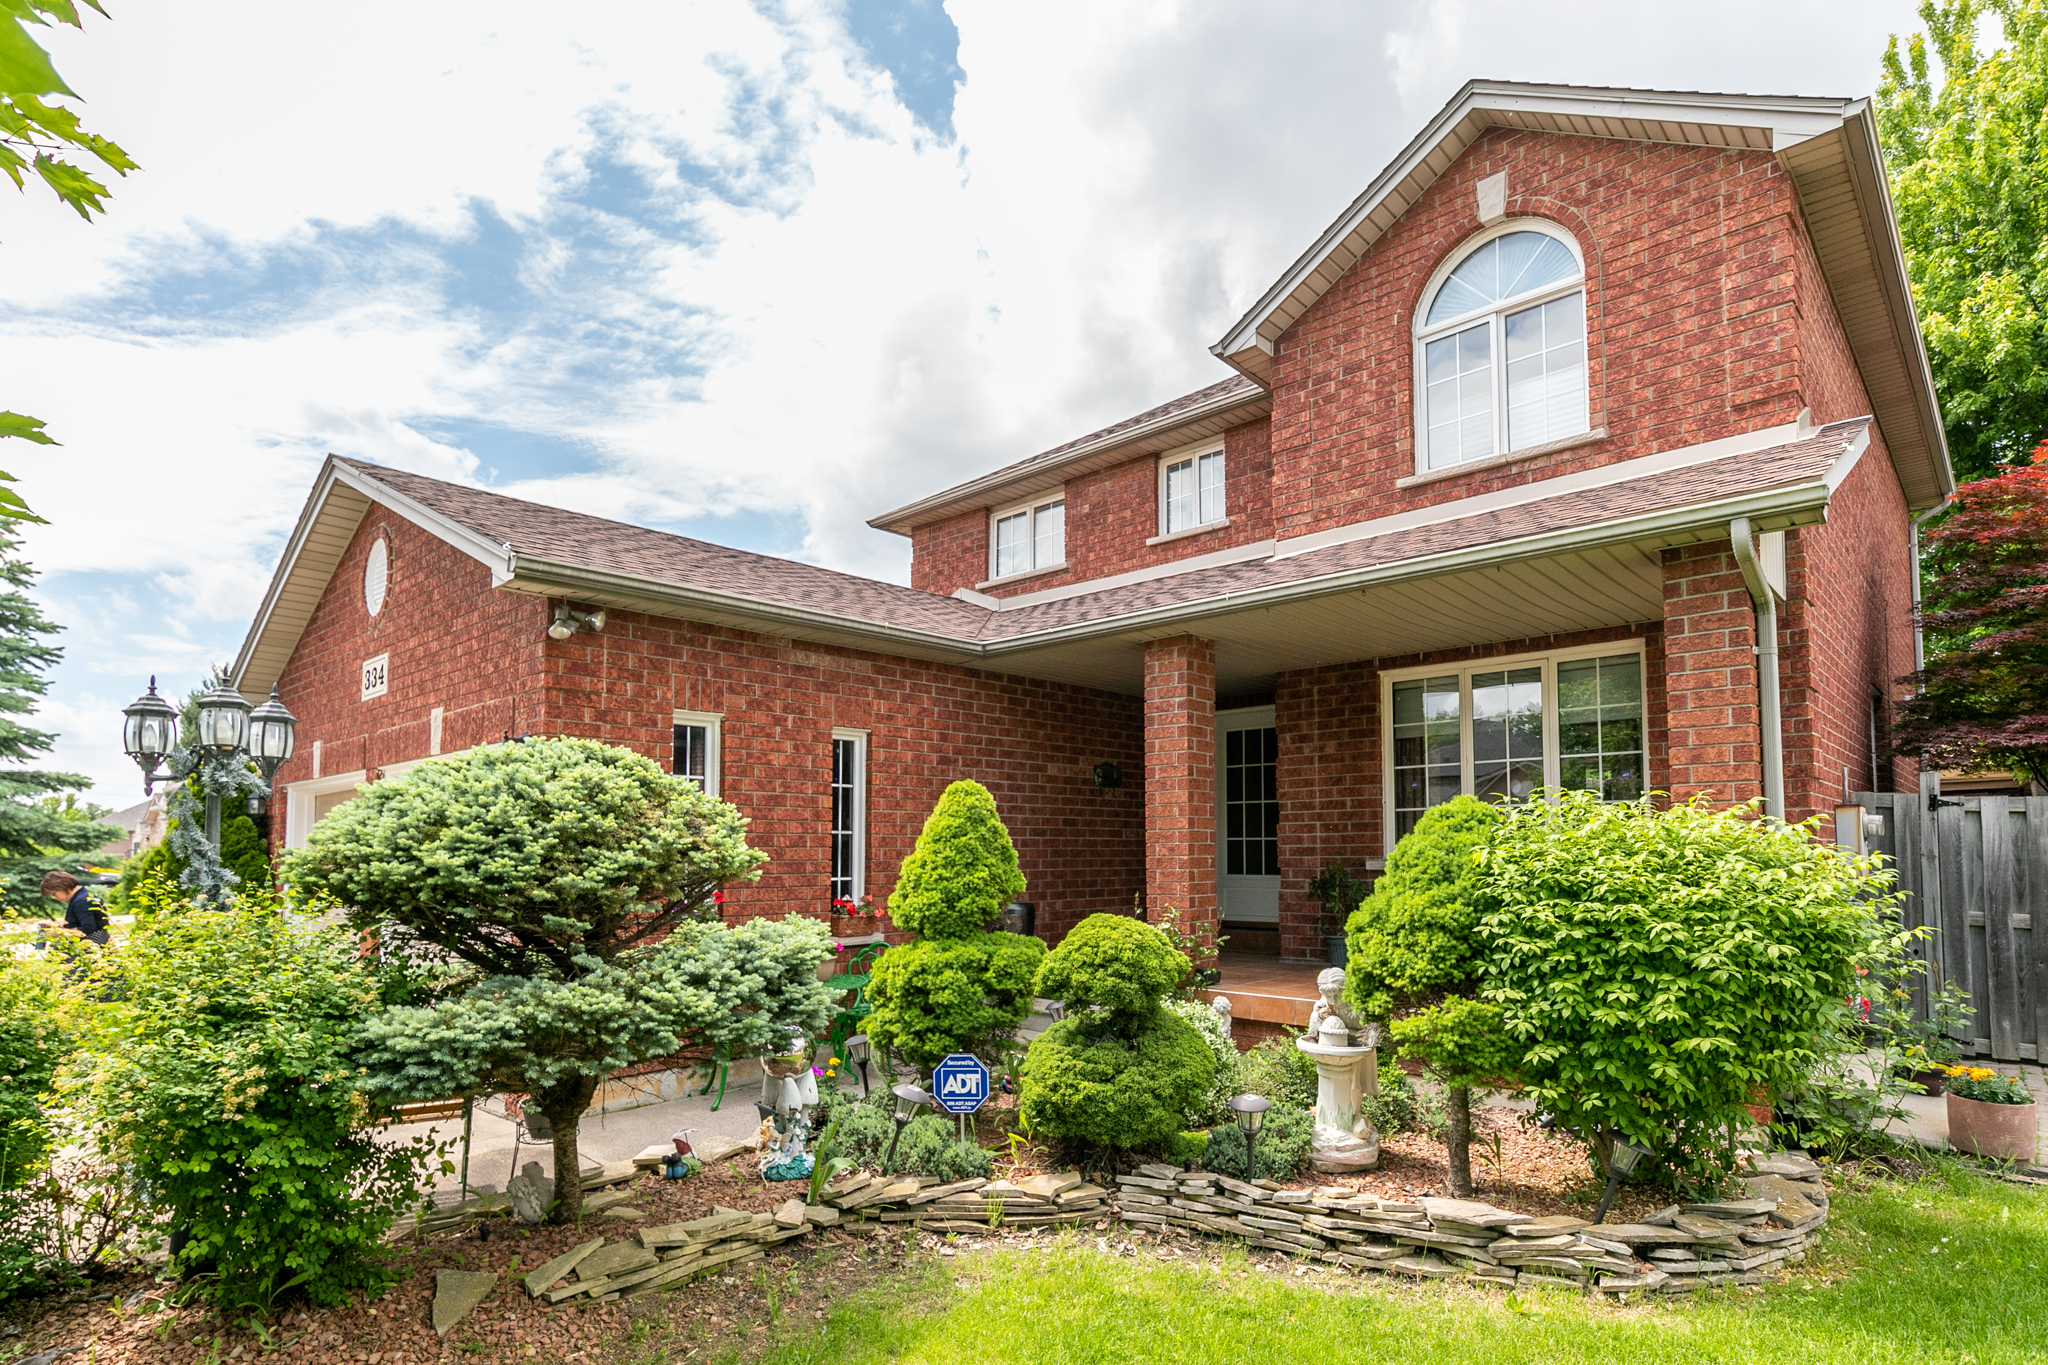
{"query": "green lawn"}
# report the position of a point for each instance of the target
(1953, 1268)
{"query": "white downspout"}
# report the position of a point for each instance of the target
(1919, 636)
(1771, 719)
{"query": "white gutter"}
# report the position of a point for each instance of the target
(1771, 715)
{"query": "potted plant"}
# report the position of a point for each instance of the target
(1338, 892)
(1990, 1115)
(856, 919)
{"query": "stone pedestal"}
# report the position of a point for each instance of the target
(1345, 1139)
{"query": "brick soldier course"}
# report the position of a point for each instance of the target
(1750, 352)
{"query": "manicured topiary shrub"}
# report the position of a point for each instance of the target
(958, 988)
(1120, 1070)
(940, 996)
(1660, 969)
(963, 871)
(1112, 963)
(1115, 1081)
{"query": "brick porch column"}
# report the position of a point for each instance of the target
(1180, 780)
(1710, 678)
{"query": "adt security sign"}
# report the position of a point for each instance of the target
(960, 1084)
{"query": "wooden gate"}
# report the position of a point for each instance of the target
(1975, 869)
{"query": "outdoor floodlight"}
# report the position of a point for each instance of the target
(223, 720)
(568, 620)
(857, 1053)
(909, 1099)
(148, 733)
(1251, 1116)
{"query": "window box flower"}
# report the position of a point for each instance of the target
(858, 919)
(1990, 1115)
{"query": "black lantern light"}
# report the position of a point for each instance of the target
(1251, 1116)
(270, 741)
(909, 1099)
(223, 723)
(149, 733)
(857, 1053)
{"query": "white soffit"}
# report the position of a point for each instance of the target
(1829, 145)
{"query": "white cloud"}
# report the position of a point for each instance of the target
(698, 255)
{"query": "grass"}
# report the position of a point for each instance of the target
(1952, 1268)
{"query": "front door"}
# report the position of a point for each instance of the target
(1247, 816)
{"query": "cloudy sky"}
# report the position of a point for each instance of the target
(751, 272)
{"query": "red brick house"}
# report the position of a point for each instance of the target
(1510, 465)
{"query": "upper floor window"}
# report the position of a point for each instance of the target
(1028, 538)
(1190, 491)
(1501, 348)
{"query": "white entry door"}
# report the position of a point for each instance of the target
(1247, 816)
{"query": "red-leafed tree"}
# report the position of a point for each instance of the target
(1983, 696)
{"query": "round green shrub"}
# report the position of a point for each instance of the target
(1284, 1146)
(936, 997)
(243, 852)
(1122, 1085)
(1415, 935)
(1280, 1071)
(963, 871)
(929, 1145)
(1112, 963)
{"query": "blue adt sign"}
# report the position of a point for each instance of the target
(960, 1084)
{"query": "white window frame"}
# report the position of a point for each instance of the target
(713, 724)
(1548, 660)
(1195, 453)
(299, 796)
(1030, 507)
(1497, 314)
(859, 878)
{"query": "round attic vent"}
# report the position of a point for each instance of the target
(376, 577)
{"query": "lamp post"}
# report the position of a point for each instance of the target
(227, 732)
(1251, 1116)
(909, 1099)
(857, 1053)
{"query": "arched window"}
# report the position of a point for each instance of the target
(1520, 296)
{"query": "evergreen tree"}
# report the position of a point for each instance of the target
(36, 836)
(244, 852)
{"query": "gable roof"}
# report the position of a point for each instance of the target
(1094, 633)
(1829, 147)
(1207, 411)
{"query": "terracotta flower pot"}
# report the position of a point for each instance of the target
(1930, 1082)
(1994, 1130)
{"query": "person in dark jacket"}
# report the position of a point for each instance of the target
(81, 915)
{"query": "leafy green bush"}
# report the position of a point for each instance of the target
(1280, 1071)
(1396, 1108)
(930, 1144)
(223, 1081)
(547, 867)
(1112, 963)
(1723, 948)
(35, 1040)
(958, 988)
(1282, 1151)
(962, 872)
(935, 997)
(1214, 1106)
(1117, 1081)
(1185, 1150)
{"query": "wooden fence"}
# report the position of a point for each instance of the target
(1975, 869)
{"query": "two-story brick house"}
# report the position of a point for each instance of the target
(1513, 461)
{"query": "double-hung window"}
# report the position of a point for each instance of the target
(696, 749)
(1501, 349)
(849, 814)
(1190, 491)
(1028, 538)
(1503, 729)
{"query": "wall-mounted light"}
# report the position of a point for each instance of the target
(568, 620)
(1108, 775)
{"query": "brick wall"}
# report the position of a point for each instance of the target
(1691, 319)
(1180, 780)
(483, 655)
(1710, 676)
(1332, 773)
(1110, 515)
(453, 643)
